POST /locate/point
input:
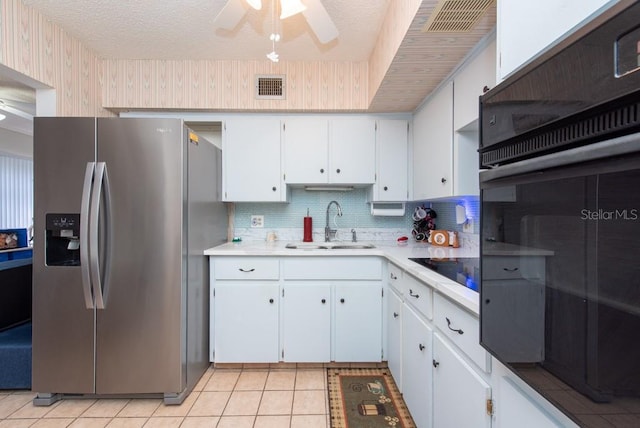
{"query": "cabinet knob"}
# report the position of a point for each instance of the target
(443, 180)
(385, 188)
(421, 346)
(341, 300)
(321, 170)
(271, 301)
(338, 170)
(273, 188)
(324, 301)
(395, 315)
(435, 363)
(393, 276)
(412, 294)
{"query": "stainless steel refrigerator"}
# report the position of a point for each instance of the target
(124, 209)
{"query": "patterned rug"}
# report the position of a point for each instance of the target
(366, 398)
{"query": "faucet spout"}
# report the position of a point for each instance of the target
(328, 232)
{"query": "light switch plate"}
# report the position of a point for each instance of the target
(257, 221)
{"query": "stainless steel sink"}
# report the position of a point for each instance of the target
(329, 246)
(352, 246)
(306, 246)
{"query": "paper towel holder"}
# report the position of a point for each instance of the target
(390, 209)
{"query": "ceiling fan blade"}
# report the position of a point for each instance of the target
(320, 21)
(230, 14)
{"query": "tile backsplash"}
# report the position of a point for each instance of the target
(286, 219)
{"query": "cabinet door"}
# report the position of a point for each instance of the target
(527, 28)
(394, 336)
(352, 145)
(306, 151)
(306, 316)
(433, 147)
(251, 161)
(417, 369)
(460, 397)
(358, 322)
(391, 163)
(246, 322)
(469, 84)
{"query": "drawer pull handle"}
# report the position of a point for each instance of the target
(393, 276)
(395, 315)
(421, 346)
(271, 301)
(459, 330)
(515, 269)
(435, 364)
(246, 270)
(417, 296)
(324, 301)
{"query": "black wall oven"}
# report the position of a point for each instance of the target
(560, 222)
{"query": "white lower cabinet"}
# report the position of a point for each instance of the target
(296, 309)
(416, 368)
(306, 319)
(394, 317)
(358, 321)
(460, 394)
(246, 321)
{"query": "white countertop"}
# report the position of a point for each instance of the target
(398, 254)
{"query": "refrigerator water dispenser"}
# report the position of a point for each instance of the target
(62, 240)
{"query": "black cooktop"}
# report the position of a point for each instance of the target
(463, 270)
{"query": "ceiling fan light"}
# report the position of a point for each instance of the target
(290, 8)
(273, 56)
(256, 4)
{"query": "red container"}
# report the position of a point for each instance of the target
(308, 230)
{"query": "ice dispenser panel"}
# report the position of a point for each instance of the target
(62, 240)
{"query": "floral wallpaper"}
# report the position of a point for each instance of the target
(86, 85)
(35, 47)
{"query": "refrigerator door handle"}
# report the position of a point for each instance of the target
(100, 285)
(84, 234)
(108, 237)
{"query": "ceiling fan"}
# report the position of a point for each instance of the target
(313, 11)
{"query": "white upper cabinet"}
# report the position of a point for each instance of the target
(329, 151)
(251, 160)
(352, 155)
(391, 161)
(306, 150)
(525, 28)
(433, 147)
(470, 84)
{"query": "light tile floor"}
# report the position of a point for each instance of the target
(229, 397)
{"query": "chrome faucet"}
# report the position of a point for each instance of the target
(328, 232)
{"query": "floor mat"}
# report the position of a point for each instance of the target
(366, 398)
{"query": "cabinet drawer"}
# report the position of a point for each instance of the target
(516, 267)
(462, 328)
(329, 268)
(418, 294)
(394, 277)
(246, 268)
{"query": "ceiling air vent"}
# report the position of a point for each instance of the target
(270, 87)
(456, 16)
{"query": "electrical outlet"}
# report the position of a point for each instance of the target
(467, 227)
(257, 221)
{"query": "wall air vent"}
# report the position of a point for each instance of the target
(456, 16)
(270, 87)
